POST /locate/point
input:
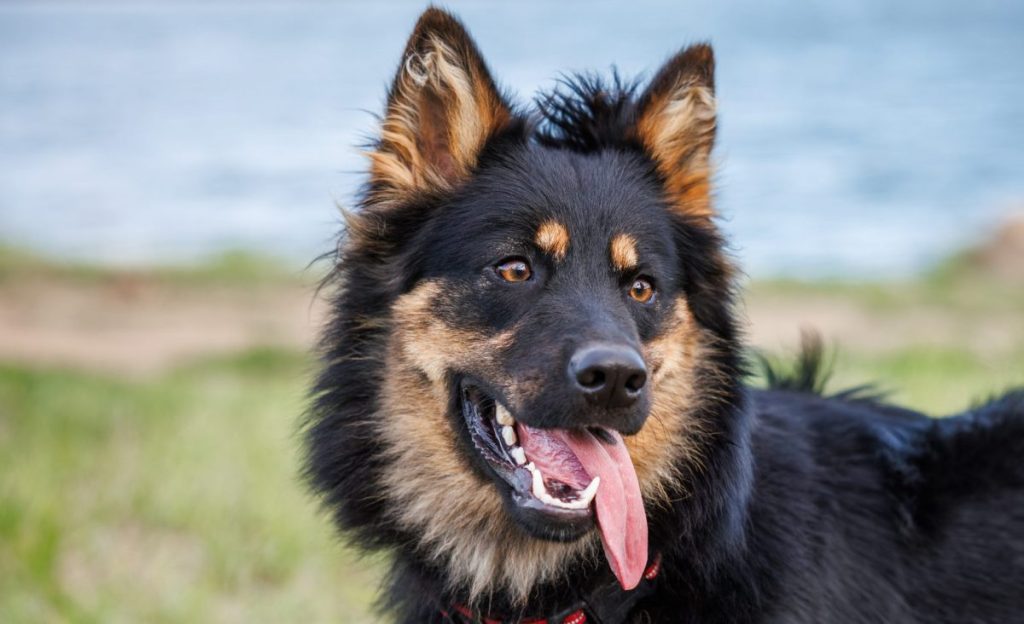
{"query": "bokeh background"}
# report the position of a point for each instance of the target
(168, 170)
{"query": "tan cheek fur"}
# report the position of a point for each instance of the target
(431, 489)
(670, 432)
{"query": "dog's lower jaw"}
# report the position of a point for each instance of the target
(514, 570)
(491, 556)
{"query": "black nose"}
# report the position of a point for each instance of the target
(607, 374)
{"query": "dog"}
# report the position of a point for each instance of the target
(532, 387)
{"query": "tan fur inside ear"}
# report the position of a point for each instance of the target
(677, 126)
(442, 108)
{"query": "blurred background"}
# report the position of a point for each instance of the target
(168, 170)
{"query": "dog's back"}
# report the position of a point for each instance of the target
(885, 515)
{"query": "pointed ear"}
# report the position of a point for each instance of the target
(442, 107)
(676, 124)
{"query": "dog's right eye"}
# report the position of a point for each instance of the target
(514, 269)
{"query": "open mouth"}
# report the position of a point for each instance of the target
(560, 482)
(564, 491)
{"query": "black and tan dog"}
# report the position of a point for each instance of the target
(532, 393)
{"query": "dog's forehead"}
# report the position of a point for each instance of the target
(565, 203)
(600, 207)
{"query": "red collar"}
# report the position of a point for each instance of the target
(593, 609)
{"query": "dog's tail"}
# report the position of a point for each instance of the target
(809, 373)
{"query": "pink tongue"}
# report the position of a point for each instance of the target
(619, 507)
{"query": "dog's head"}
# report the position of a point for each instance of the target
(532, 319)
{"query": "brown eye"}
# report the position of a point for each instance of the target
(514, 270)
(642, 290)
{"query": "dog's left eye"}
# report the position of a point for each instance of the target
(514, 269)
(642, 290)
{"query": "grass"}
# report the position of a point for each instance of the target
(170, 500)
(954, 285)
(178, 498)
(233, 267)
(938, 381)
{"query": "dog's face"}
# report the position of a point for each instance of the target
(529, 320)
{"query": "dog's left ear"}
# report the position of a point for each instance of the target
(676, 124)
(442, 107)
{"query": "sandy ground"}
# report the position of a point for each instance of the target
(135, 325)
(775, 321)
(139, 326)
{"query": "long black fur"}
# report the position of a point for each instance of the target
(806, 509)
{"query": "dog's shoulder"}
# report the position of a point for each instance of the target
(874, 484)
(976, 454)
(922, 471)
(852, 425)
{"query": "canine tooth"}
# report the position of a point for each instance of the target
(508, 434)
(588, 494)
(519, 455)
(539, 490)
(503, 417)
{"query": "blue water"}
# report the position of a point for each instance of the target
(858, 138)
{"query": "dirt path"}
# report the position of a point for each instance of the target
(775, 321)
(140, 326)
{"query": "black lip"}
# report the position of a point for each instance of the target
(515, 483)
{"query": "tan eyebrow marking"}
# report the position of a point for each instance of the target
(623, 252)
(553, 238)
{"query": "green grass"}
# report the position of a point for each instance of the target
(172, 500)
(233, 267)
(938, 381)
(976, 351)
(953, 285)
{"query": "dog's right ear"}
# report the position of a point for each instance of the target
(442, 107)
(677, 124)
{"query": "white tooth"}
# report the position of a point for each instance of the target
(503, 417)
(539, 490)
(588, 494)
(508, 434)
(519, 455)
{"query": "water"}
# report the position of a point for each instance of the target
(858, 138)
